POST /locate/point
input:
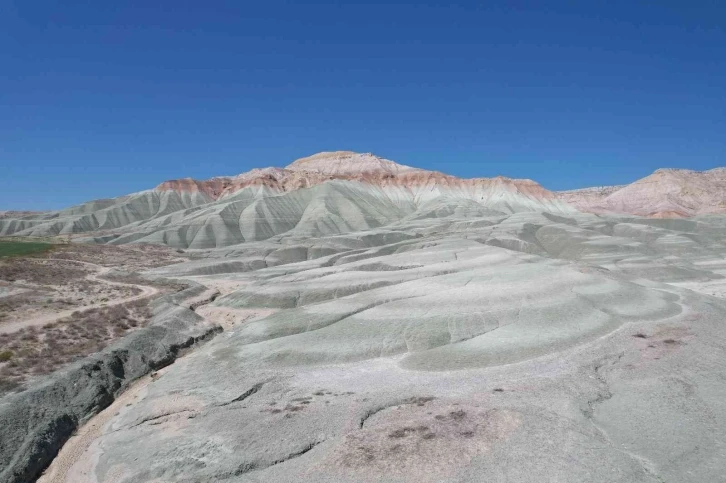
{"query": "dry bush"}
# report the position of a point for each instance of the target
(37, 351)
(38, 271)
(136, 279)
(134, 257)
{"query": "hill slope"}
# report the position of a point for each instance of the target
(324, 194)
(667, 193)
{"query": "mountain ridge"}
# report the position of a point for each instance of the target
(335, 192)
(666, 193)
(325, 166)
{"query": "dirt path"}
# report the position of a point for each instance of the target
(146, 291)
(77, 459)
(224, 286)
(229, 317)
(70, 464)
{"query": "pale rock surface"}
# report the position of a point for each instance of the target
(407, 326)
(515, 347)
(667, 193)
(348, 162)
(324, 194)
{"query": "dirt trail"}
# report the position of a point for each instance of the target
(77, 459)
(69, 465)
(146, 291)
(227, 317)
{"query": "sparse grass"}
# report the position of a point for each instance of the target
(640, 335)
(130, 257)
(38, 271)
(135, 278)
(53, 283)
(34, 351)
(10, 248)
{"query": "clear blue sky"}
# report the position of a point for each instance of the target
(102, 98)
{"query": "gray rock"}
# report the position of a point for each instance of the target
(38, 421)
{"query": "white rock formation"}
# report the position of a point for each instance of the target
(667, 193)
(324, 194)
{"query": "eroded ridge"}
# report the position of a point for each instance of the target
(451, 345)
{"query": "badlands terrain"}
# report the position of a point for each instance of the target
(350, 319)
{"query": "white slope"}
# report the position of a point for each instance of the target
(102, 215)
(321, 195)
(433, 353)
(667, 193)
(347, 162)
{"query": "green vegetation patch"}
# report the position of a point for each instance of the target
(21, 248)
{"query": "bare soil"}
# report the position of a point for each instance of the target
(128, 257)
(62, 306)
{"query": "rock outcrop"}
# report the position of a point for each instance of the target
(667, 193)
(37, 422)
(324, 194)
(342, 191)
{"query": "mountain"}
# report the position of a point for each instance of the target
(348, 163)
(386, 323)
(324, 194)
(338, 192)
(585, 199)
(667, 193)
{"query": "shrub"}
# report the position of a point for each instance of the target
(6, 356)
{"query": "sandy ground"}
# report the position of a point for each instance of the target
(228, 317)
(76, 460)
(79, 456)
(146, 291)
(224, 286)
(445, 359)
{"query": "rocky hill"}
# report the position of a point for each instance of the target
(667, 193)
(340, 192)
(324, 194)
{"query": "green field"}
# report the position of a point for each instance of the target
(20, 248)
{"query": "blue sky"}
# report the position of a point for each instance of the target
(100, 99)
